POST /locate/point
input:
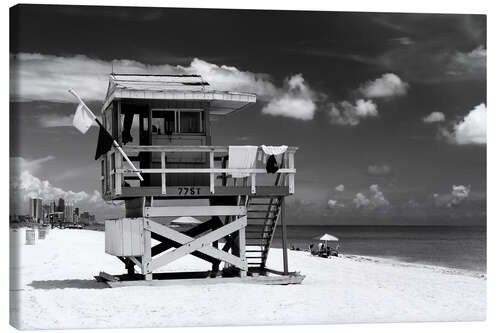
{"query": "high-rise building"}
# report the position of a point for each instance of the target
(68, 213)
(46, 212)
(53, 207)
(85, 218)
(36, 210)
(60, 205)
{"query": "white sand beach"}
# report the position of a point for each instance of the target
(52, 287)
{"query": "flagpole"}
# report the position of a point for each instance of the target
(117, 146)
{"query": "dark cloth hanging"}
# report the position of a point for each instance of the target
(104, 142)
(127, 126)
(272, 165)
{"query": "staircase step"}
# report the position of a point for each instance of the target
(263, 214)
(262, 204)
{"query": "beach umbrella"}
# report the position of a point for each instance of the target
(186, 220)
(328, 237)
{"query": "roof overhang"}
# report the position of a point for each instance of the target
(221, 103)
(188, 88)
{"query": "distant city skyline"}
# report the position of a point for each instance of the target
(388, 110)
(40, 211)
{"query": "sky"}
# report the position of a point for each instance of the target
(388, 110)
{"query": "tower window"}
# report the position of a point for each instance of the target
(167, 122)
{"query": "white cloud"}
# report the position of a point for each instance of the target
(412, 204)
(20, 163)
(458, 194)
(55, 120)
(48, 77)
(470, 130)
(340, 188)
(29, 186)
(404, 40)
(332, 204)
(468, 64)
(379, 170)
(345, 113)
(95, 197)
(434, 117)
(24, 185)
(360, 200)
(374, 199)
(388, 85)
(296, 100)
(231, 78)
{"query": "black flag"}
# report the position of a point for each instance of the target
(104, 142)
(272, 165)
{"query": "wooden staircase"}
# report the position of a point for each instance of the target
(262, 216)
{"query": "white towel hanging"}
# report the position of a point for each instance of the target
(274, 150)
(242, 157)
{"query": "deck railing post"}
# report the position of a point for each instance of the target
(163, 177)
(291, 176)
(212, 175)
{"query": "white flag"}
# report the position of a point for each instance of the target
(82, 120)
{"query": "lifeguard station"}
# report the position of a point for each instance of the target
(162, 122)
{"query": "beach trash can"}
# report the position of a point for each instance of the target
(42, 233)
(30, 237)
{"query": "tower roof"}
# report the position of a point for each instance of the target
(175, 87)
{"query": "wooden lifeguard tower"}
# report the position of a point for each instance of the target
(162, 122)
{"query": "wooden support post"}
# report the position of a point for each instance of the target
(212, 175)
(109, 188)
(135, 261)
(253, 183)
(146, 257)
(118, 176)
(291, 176)
(129, 265)
(283, 237)
(241, 236)
(163, 178)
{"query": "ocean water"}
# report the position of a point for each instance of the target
(451, 247)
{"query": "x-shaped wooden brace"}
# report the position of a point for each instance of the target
(202, 244)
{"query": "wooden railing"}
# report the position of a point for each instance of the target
(117, 169)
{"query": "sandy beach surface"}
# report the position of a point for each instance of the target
(52, 287)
